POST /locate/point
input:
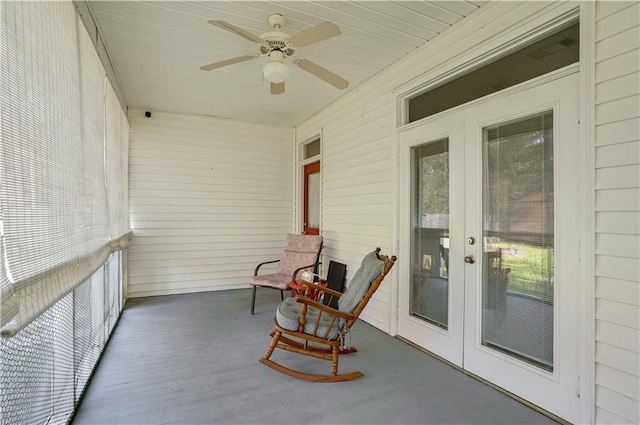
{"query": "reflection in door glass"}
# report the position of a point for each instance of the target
(429, 294)
(518, 220)
(313, 186)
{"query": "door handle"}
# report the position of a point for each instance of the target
(469, 259)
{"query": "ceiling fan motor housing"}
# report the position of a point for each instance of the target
(276, 40)
(271, 44)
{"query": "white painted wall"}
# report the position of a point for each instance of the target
(209, 200)
(617, 184)
(358, 207)
(358, 160)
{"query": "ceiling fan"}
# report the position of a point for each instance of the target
(278, 46)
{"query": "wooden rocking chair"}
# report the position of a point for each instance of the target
(314, 323)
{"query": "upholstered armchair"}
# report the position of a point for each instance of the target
(301, 253)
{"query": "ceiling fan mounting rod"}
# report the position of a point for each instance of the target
(277, 21)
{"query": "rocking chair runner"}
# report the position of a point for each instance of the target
(315, 323)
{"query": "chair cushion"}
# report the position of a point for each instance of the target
(301, 250)
(288, 316)
(370, 268)
(275, 280)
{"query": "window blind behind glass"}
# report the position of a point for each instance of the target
(518, 214)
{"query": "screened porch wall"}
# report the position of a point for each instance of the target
(617, 184)
(357, 157)
(209, 200)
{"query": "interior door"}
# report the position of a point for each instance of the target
(311, 199)
(492, 281)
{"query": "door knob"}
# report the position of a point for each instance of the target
(469, 259)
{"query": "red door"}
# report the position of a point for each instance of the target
(311, 208)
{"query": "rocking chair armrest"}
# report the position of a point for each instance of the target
(326, 290)
(255, 273)
(324, 308)
(295, 273)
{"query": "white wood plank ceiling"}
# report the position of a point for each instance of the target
(157, 47)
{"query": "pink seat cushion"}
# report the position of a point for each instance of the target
(301, 250)
(276, 280)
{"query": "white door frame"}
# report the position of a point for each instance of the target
(535, 27)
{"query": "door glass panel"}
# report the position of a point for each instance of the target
(313, 200)
(518, 229)
(429, 294)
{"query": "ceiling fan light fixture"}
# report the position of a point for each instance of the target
(276, 72)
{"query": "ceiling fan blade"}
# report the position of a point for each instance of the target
(277, 88)
(323, 74)
(232, 28)
(314, 34)
(220, 64)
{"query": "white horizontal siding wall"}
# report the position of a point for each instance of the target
(357, 156)
(209, 200)
(617, 174)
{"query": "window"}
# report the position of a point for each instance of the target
(543, 56)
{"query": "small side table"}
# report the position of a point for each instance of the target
(299, 288)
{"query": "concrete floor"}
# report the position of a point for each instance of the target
(191, 359)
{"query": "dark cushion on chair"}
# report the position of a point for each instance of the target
(288, 317)
(288, 313)
(370, 268)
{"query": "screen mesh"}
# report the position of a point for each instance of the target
(45, 368)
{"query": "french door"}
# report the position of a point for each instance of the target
(490, 226)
